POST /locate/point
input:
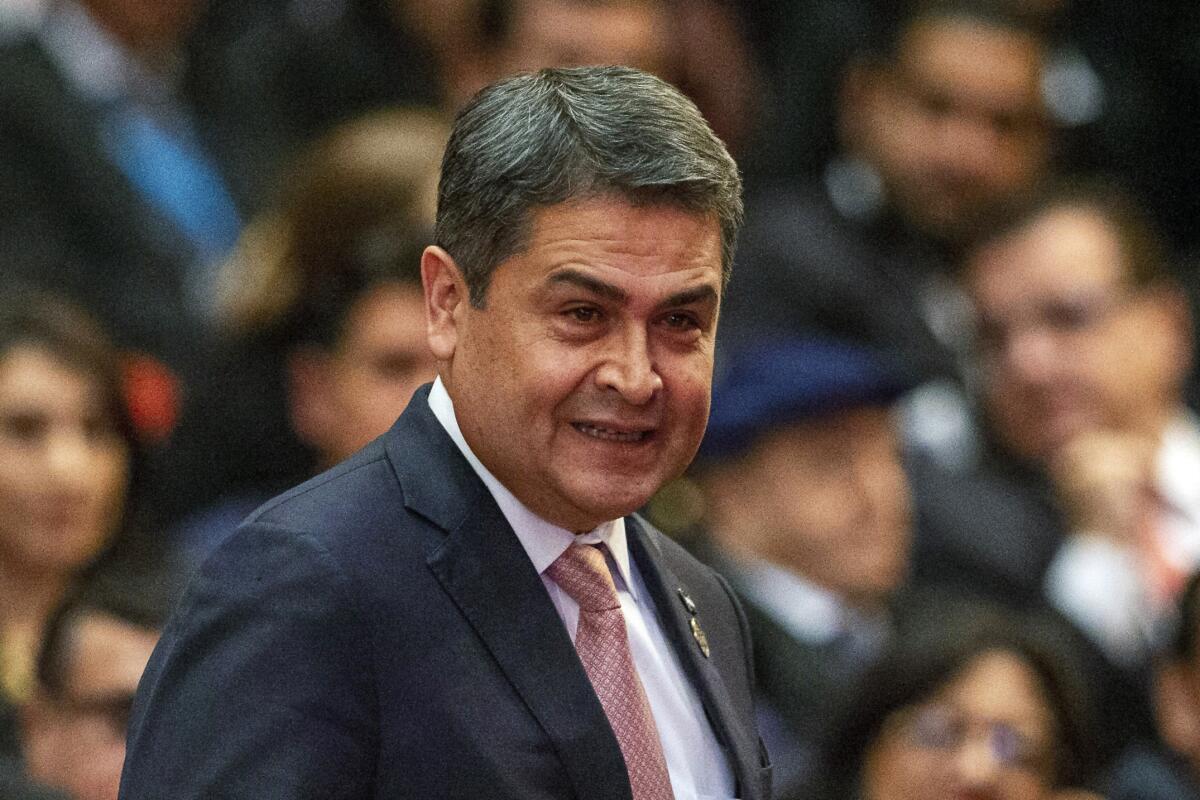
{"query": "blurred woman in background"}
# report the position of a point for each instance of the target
(981, 707)
(67, 453)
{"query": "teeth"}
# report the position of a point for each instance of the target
(610, 435)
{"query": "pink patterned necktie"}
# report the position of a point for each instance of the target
(603, 647)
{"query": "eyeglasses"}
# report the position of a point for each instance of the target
(1061, 318)
(938, 727)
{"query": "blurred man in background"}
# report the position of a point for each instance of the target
(940, 121)
(1084, 343)
(834, 537)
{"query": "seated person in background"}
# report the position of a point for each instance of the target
(68, 457)
(322, 311)
(973, 704)
(1169, 768)
(1083, 348)
(940, 119)
(808, 513)
(813, 514)
(95, 649)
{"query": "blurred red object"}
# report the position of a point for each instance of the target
(152, 395)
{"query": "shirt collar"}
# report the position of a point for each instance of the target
(806, 610)
(1179, 464)
(543, 541)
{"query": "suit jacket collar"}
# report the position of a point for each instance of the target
(517, 622)
(513, 616)
(664, 586)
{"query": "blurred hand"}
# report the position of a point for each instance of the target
(1104, 481)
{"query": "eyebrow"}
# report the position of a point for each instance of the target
(684, 297)
(574, 277)
(697, 294)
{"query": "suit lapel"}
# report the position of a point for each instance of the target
(483, 568)
(663, 585)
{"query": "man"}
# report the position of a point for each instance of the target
(1084, 343)
(356, 352)
(809, 514)
(114, 189)
(940, 120)
(832, 536)
(402, 625)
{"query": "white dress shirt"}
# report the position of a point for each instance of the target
(1099, 584)
(697, 765)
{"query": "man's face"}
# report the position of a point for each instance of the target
(954, 124)
(76, 741)
(831, 502)
(583, 385)
(568, 33)
(345, 397)
(1067, 345)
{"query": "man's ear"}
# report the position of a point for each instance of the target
(446, 300)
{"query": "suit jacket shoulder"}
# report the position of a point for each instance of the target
(379, 632)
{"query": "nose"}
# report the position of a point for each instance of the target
(975, 763)
(628, 367)
(1030, 355)
(67, 454)
(967, 145)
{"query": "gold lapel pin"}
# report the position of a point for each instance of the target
(698, 635)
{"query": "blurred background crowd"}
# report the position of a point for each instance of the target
(953, 467)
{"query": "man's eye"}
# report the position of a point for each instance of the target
(681, 321)
(583, 314)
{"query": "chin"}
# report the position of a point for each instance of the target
(602, 508)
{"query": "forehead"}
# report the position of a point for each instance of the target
(973, 63)
(653, 245)
(1063, 251)
(999, 685)
(29, 372)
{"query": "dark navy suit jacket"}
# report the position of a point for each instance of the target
(379, 632)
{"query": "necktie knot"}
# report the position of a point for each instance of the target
(582, 572)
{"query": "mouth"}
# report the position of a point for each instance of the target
(611, 434)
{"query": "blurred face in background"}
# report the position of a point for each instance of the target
(567, 33)
(1067, 343)
(64, 466)
(826, 498)
(987, 733)
(344, 397)
(953, 124)
(75, 739)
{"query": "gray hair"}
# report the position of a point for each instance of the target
(536, 140)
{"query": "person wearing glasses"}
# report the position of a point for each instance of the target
(1083, 348)
(973, 704)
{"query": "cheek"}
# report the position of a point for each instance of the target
(894, 771)
(109, 484)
